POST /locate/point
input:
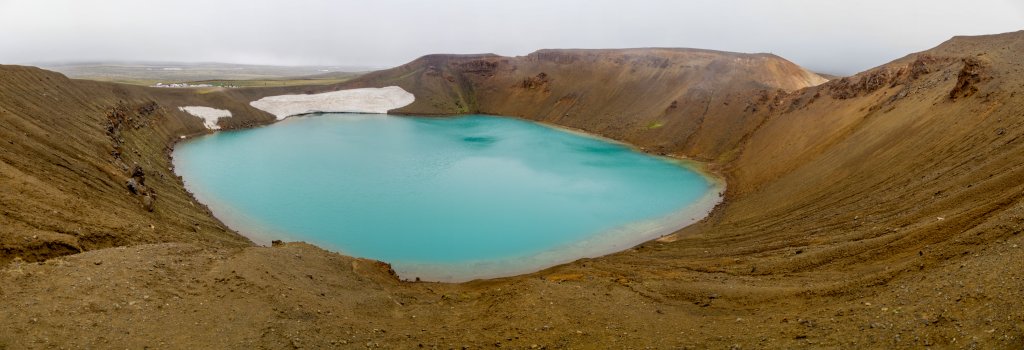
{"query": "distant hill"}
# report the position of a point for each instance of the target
(148, 73)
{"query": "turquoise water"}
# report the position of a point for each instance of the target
(439, 198)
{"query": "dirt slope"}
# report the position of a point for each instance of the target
(880, 210)
(667, 100)
(69, 151)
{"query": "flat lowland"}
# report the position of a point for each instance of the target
(880, 210)
(217, 74)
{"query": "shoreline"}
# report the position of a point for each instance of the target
(663, 227)
(606, 242)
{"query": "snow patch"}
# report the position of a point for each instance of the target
(365, 100)
(209, 115)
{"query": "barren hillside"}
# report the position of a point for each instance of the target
(697, 102)
(879, 210)
(70, 149)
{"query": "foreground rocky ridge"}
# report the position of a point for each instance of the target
(879, 210)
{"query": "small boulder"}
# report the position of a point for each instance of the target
(138, 172)
(148, 201)
(133, 186)
(139, 175)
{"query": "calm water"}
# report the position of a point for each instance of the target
(443, 199)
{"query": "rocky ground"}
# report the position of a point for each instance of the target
(881, 210)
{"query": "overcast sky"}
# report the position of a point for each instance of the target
(830, 36)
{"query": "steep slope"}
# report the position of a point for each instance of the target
(669, 100)
(880, 210)
(85, 166)
(909, 164)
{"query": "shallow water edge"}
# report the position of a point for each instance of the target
(605, 242)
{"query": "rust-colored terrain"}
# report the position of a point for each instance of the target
(881, 210)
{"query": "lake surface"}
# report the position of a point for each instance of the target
(445, 199)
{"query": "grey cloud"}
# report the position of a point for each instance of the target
(831, 36)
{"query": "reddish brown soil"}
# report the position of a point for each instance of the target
(881, 210)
